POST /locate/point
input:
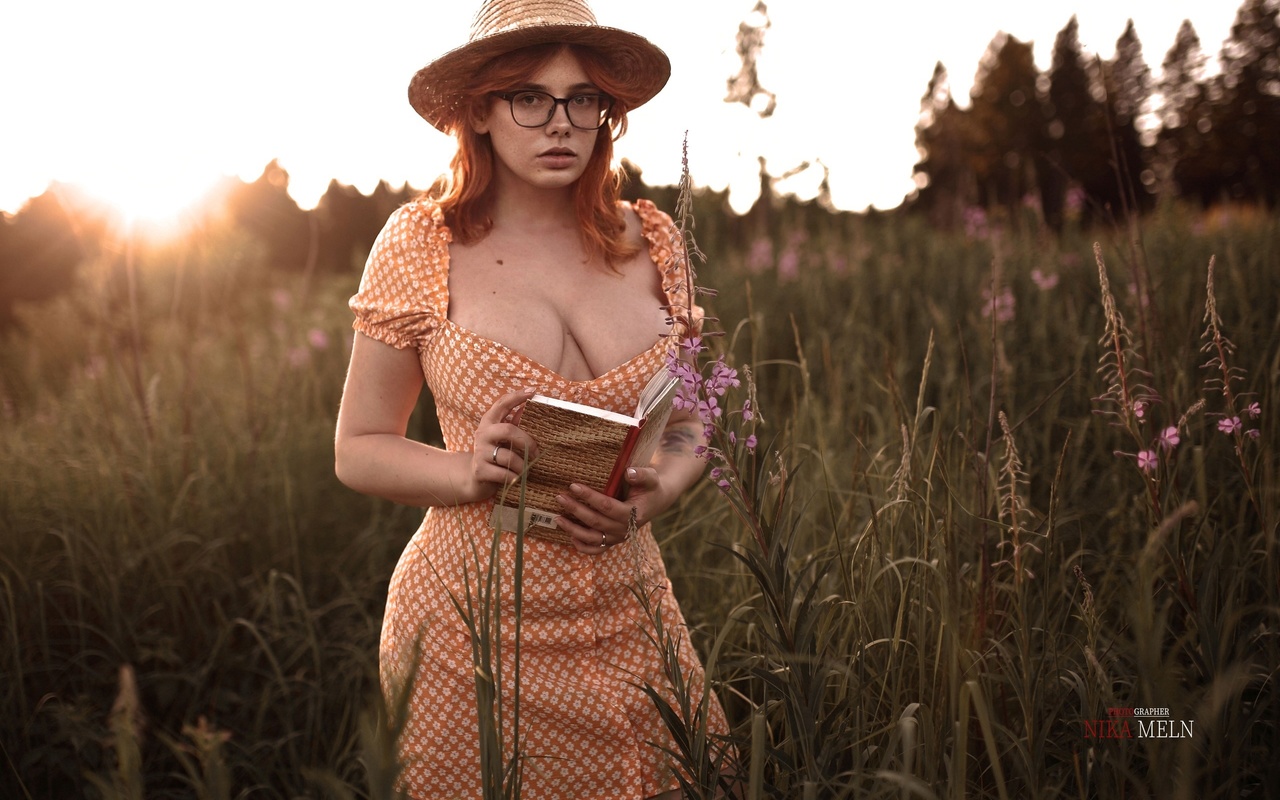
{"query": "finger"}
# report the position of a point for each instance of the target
(642, 478)
(596, 509)
(503, 407)
(585, 539)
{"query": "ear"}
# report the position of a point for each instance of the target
(479, 124)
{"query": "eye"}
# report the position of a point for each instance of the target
(529, 99)
(585, 100)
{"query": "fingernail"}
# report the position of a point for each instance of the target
(631, 473)
(577, 488)
(562, 500)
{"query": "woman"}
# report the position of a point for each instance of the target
(522, 273)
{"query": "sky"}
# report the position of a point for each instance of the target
(147, 103)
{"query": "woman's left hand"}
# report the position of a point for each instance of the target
(597, 522)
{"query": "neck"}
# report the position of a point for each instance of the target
(527, 206)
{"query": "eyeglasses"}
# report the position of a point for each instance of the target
(531, 109)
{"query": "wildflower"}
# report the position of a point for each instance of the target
(282, 299)
(1147, 460)
(1229, 425)
(692, 345)
(722, 378)
(716, 472)
(1139, 408)
(1254, 410)
(1253, 433)
(761, 255)
(318, 339)
(1169, 438)
(1044, 280)
(750, 442)
(1002, 305)
(708, 410)
(975, 222)
(1075, 200)
(789, 265)
(748, 413)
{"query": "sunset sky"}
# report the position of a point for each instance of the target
(146, 104)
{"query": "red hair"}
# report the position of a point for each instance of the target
(466, 194)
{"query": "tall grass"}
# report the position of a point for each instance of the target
(949, 558)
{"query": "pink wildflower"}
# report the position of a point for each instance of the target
(692, 345)
(747, 413)
(318, 339)
(1254, 410)
(750, 442)
(1044, 280)
(975, 223)
(761, 255)
(1139, 408)
(789, 265)
(282, 299)
(1002, 304)
(1229, 425)
(1253, 433)
(1147, 460)
(1169, 438)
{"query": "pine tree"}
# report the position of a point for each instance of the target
(1007, 123)
(1076, 130)
(942, 173)
(1127, 81)
(1247, 119)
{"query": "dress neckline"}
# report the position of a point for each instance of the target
(447, 263)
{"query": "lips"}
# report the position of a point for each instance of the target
(557, 157)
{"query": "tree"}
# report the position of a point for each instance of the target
(1007, 123)
(1184, 160)
(1247, 119)
(1075, 135)
(1127, 82)
(943, 174)
(39, 253)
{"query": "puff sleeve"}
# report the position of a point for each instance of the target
(667, 251)
(403, 293)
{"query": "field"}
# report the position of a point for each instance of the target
(996, 500)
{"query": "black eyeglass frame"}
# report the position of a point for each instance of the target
(556, 102)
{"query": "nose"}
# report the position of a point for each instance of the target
(560, 117)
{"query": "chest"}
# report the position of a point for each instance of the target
(575, 317)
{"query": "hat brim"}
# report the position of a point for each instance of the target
(439, 88)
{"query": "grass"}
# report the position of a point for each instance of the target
(940, 562)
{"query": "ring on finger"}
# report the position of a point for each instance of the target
(494, 457)
(603, 540)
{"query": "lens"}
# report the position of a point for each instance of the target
(532, 109)
(586, 110)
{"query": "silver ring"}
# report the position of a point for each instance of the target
(494, 457)
(603, 542)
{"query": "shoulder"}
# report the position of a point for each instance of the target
(647, 225)
(419, 220)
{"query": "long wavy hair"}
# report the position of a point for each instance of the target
(465, 195)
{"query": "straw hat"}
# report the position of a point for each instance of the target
(505, 25)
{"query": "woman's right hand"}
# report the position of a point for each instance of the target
(500, 449)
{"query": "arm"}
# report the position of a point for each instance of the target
(372, 455)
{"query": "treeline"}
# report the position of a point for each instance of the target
(44, 247)
(1103, 137)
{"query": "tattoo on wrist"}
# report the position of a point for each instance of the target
(677, 440)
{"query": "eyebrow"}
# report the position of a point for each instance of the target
(577, 88)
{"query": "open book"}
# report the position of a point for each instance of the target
(582, 444)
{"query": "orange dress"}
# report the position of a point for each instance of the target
(586, 730)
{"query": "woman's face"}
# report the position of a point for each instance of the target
(553, 155)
